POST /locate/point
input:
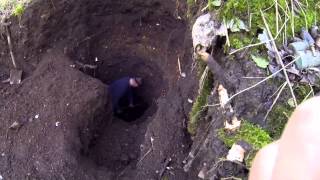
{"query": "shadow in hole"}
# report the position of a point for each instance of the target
(130, 114)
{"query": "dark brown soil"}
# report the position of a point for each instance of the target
(75, 135)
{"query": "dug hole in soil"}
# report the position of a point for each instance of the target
(67, 128)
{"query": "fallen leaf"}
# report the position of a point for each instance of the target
(236, 25)
(260, 61)
(216, 3)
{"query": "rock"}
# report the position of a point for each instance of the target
(236, 153)
(205, 30)
(201, 174)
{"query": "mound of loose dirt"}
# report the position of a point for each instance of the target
(59, 109)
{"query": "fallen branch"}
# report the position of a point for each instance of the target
(10, 45)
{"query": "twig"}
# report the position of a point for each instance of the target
(275, 100)
(179, 66)
(205, 8)
(10, 47)
(277, 13)
(203, 78)
(86, 65)
(148, 152)
(264, 80)
(227, 34)
(292, 18)
(231, 178)
(166, 163)
(253, 77)
(279, 58)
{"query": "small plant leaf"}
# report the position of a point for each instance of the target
(291, 102)
(216, 3)
(260, 61)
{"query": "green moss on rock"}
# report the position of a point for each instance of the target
(251, 133)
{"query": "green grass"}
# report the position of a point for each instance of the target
(13, 7)
(249, 12)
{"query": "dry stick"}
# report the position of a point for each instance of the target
(276, 91)
(264, 80)
(277, 17)
(203, 78)
(308, 95)
(253, 77)
(261, 43)
(279, 58)
(10, 47)
(179, 65)
(148, 152)
(304, 15)
(292, 18)
(275, 100)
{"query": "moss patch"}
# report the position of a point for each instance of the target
(251, 133)
(198, 107)
(280, 114)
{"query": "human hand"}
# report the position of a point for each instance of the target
(296, 155)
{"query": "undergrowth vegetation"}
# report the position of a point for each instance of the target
(284, 19)
(13, 7)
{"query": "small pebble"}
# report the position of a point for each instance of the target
(57, 123)
(36, 116)
(3, 154)
(183, 75)
(190, 101)
(1, 178)
(158, 24)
